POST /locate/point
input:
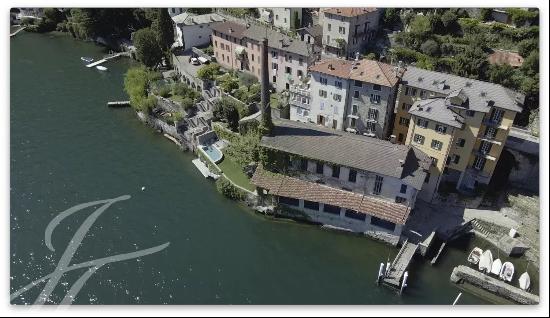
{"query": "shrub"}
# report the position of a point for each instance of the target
(227, 110)
(187, 103)
(431, 48)
(209, 72)
(164, 91)
(229, 190)
(526, 46)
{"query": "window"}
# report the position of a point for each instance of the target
(338, 84)
(311, 205)
(300, 61)
(356, 94)
(403, 188)
(404, 121)
(354, 109)
(434, 161)
(289, 201)
(378, 184)
(436, 144)
(276, 17)
(496, 116)
(355, 215)
(479, 163)
(376, 87)
(490, 133)
(332, 209)
(375, 98)
(337, 97)
(352, 177)
(409, 91)
(290, 58)
(422, 123)
(319, 168)
(456, 159)
(322, 105)
(422, 94)
(485, 147)
(373, 114)
(216, 43)
(382, 223)
(427, 179)
(460, 142)
(300, 73)
(470, 113)
(353, 122)
(274, 79)
(357, 83)
(335, 110)
(399, 199)
(303, 164)
(274, 54)
(406, 106)
(419, 139)
(341, 30)
(288, 70)
(440, 129)
(334, 123)
(329, 26)
(275, 66)
(322, 93)
(336, 171)
(323, 80)
(371, 127)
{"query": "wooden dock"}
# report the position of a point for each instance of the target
(400, 264)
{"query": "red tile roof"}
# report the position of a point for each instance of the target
(349, 12)
(364, 70)
(286, 186)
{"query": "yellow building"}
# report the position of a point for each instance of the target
(461, 123)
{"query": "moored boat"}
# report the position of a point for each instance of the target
(496, 267)
(101, 68)
(87, 59)
(507, 271)
(486, 261)
(524, 281)
(474, 256)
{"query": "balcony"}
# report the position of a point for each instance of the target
(300, 91)
(299, 102)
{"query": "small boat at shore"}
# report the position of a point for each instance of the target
(474, 256)
(101, 68)
(486, 261)
(496, 267)
(87, 59)
(507, 271)
(524, 281)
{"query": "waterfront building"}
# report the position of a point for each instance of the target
(347, 31)
(461, 123)
(237, 47)
(344, 180)
(356, 96)
(193, 30)
(283, 18)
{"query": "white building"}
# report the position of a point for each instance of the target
(175, 11)
(347, 31)
(356, 96)
(284, 18)
(194, 30)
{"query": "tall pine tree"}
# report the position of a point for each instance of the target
(164, 29)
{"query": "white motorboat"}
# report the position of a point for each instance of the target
(507, 271)
(101, 68)
(496, 267)
(486, 261)
(87, 59)
(524, 281)
(474, 256)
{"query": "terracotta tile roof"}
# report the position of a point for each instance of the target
(349, 12)
(506, 57)
(367, 71)
(286, 186)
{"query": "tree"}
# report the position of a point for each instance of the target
(297, 23)
(502, 74)
(530, 65)
(431, 48)
(226, 110)
(136, 82)
(470, 63)
(209, 72)
(164, 29)
(421, 28)
(485, 14)
(449, 19)
(391, 17)
(148, 49)
(526, 46)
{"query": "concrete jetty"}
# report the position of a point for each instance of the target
(122, 103)
(400, 264)
(463, 273)
(105, 59)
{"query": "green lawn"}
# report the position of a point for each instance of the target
(234, 172)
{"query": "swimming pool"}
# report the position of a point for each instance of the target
(212, 152)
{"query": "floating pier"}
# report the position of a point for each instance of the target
(463, 273)
(122, 103)
(395, 271)
(105, 59)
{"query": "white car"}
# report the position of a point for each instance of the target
(195, 61)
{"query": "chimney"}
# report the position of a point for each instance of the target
(356, 56)
(265, 107)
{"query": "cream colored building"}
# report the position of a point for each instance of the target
(461, 123)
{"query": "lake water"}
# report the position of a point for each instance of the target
(68, 148)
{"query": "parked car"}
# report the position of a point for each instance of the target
(195, 61)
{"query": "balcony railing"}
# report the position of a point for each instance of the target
(300, 91)
(299, 103)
